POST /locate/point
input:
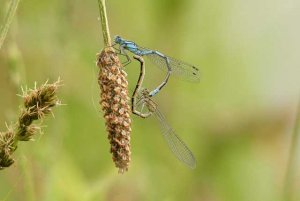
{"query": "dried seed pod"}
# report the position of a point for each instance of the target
(7, 147)
(38, 102)
(114, 102)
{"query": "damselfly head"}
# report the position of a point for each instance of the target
(118, 39)
(145, 92)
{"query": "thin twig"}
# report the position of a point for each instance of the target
(9, 17)
(104, 23)
(290, 174)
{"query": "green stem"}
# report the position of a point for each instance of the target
(290, 175)
(9, 17)
(104, 23)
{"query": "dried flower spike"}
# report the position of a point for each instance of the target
(7, 147)
(38, 102)
(114, 102)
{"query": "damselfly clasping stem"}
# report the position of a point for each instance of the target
(114, 102)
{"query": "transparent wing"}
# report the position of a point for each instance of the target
(179, 68)
(177, 146)
(141, 106)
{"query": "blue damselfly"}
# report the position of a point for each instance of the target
(170, 65)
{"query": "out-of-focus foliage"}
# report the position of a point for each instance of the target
(237, 120)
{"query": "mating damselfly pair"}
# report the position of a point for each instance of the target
(142, 103)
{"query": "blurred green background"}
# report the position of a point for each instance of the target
(238, 120)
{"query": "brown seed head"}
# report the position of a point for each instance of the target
(114, 102)
(38, 102)
(6, 148)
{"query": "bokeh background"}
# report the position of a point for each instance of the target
(238, 120)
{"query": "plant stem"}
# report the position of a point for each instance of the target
(104, 23)
(292, 158)
(9, 17)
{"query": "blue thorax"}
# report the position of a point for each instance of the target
(131, 46)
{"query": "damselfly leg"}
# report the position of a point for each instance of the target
(121, 51)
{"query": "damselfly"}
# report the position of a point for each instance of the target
(144, 106)
(164, 62)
